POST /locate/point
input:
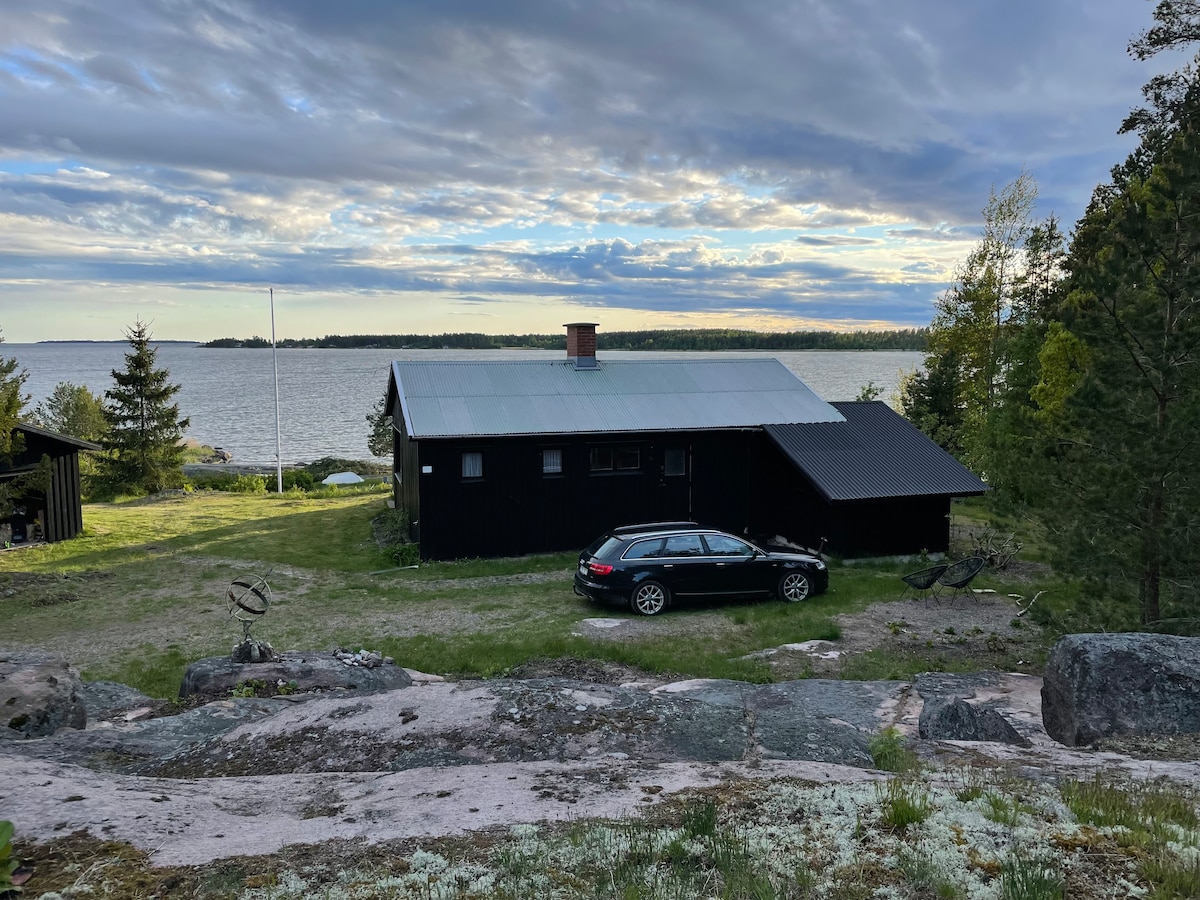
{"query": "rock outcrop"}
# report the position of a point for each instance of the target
(958, 720)
(39, 695)
(309, 672)
(1107, 685)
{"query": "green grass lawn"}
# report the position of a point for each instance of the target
(142, 592)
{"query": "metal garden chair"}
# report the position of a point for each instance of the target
(923, 583)
(958, 577)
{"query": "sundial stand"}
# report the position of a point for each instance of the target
(249, 597)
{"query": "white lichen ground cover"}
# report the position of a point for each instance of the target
(970, 834)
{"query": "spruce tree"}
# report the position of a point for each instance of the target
(144, 441)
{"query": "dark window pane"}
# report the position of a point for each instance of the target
(675, 462)
(720, 545)
(684, 545)
(602, 459)
(629, 458)
(651, 549)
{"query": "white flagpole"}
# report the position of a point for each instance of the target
(275, 364)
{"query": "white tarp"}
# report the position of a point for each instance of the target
(343, 478)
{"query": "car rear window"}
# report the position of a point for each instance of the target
(604, 546)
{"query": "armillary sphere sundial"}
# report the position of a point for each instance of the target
(248, 598)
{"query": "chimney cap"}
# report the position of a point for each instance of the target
(580, 324)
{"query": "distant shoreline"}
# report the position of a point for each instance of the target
(708, 340)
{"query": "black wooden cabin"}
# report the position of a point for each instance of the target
(56, 513)
(513, 457)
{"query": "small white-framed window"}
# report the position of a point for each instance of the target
(472, 464)
(552, 461)
(675, 461)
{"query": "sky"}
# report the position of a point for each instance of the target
(430, 166)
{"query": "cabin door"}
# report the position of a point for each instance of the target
(673, 500)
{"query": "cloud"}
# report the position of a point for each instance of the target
(682, 147)
(835, 240)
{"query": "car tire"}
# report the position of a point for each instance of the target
(794, 587)
(649, 598)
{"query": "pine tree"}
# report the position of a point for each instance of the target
(145, 431)
(1126, 431)
(12, 382)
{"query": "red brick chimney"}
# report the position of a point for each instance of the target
(581, 344)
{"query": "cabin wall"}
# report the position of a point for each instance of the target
(785, 503)
(891, 527)
(406, 467)
(738, 481)
(516, 508)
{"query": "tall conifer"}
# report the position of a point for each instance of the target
(145, 436)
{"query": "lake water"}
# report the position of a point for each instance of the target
(325, 395)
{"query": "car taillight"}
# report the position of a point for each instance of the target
(599, 568)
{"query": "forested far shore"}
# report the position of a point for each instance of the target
(698, 339)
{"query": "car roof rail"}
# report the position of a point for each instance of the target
(651, 526)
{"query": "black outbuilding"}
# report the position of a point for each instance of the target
(521, 456)
(56, 513)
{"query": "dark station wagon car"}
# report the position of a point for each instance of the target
(649, 566)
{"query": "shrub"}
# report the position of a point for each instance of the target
(406, 554)
(391, 527)
(299, 479)
(8, 865)
(248, 484)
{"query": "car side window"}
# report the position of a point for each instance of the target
(684, 545)
(723, 545)
(651, 549)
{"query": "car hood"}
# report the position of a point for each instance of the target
(794, 557)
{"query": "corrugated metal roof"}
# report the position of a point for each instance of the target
(874, 453)
(484, 398)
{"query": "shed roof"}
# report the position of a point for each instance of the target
(873, 453)
(484, 398)
(29, 428)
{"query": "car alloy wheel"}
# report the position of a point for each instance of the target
(794, 587)
(649, 598)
